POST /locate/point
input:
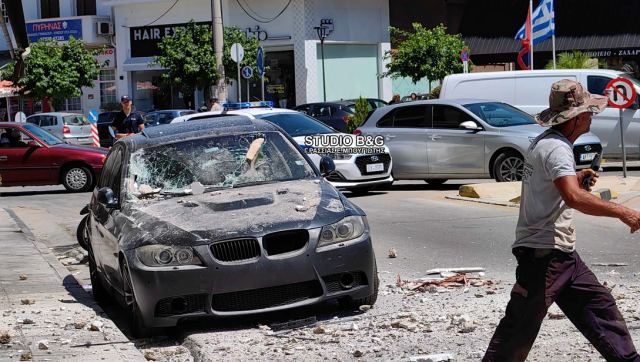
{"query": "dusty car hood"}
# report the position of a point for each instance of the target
(231, 213)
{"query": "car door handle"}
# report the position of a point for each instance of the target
(435, 137)
(3, 158)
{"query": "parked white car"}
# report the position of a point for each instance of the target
(71, 127)
(358, 173)
(529, 91)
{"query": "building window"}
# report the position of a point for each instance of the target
(107, 80)
(85, 7)
(49, 9)
(73, 104)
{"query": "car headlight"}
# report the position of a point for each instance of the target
(349, 228)
(163, 255)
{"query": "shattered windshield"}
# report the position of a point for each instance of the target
(206, 164)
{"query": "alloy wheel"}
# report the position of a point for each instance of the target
(511, 168)
(76, 178)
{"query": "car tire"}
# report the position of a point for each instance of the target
(77, 179)
(138, 328)
(508, 167)
(436, 181)
(99, 292)
(360, 191)
(82, 233)
(349, 304)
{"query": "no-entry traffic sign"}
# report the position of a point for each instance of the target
(622, 93)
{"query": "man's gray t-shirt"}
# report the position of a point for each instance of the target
(545, 221)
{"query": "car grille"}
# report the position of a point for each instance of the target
(236, 250)
(181, 305)
(285, 241)
(363, 161)
(582, 149)
(266, 297)
(332, 282)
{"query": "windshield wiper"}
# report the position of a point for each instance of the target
(253, 183)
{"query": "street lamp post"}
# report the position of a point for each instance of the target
(322, 34)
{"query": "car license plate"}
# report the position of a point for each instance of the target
(375, 167)
(587, 156)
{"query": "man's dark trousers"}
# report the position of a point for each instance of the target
(545, 276)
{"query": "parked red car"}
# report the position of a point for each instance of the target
(31, 156)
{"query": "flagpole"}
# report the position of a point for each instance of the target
(531, 40)
(553, 49)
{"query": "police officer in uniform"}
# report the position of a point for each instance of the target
(128, 121)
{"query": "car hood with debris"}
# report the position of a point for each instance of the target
(250, 211)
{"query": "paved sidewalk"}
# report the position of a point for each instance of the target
(46, 315)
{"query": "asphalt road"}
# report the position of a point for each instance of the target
(427, 230)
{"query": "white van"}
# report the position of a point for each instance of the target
(529, 91)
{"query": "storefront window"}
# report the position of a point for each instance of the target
(107, 82)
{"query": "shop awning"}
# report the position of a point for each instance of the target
(7, 89)
(487, 46)
(137, 64)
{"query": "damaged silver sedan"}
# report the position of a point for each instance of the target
(221, 219)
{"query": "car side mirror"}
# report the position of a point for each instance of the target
(33, 143)
(108, 198)
(326, 166)
(470, 125)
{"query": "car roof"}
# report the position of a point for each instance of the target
(56, 114)
(197, 129)
(532, 73)
(247, 112)
(451, 102)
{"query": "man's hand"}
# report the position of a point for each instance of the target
(584, 173)
(632, 219)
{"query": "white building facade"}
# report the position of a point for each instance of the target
(353, 51)
(86, 20)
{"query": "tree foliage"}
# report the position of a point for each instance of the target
(573, 60)
(430, 53)
(250, 45)
(362, 111)
(188, 59)
(58, 71)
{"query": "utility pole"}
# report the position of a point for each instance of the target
(218, 48)
(7, 37)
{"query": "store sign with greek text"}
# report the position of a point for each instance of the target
(107, 58)
(56, 30)
(145, 39)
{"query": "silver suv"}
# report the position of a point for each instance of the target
(436, 140)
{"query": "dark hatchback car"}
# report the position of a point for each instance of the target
(158, 118)
(333, 114)
(222, 219)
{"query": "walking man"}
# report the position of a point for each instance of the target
(549, 269)
(127, 121)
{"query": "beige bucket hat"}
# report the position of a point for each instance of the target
(567, 100)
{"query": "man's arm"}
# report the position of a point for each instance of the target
(577, 198)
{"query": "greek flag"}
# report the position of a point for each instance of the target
(543, 23)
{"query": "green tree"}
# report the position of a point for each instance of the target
(362, 111)
(189, 61)
(250, 45)
(58, 71)
(6, 73)
(573, 60)
(430, 53)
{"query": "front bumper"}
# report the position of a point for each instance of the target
(267, 283)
